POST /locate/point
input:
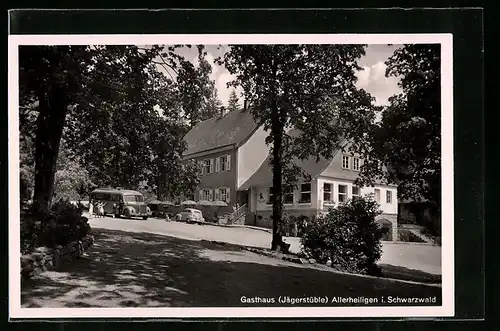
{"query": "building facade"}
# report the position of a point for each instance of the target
(235, 159)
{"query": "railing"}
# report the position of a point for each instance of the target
(238, 213)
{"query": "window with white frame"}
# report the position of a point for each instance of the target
(206, 194)
(388, 196)
(355, 164)
(356, 191)
(223, 194)
(377, 195)
(207, 168)
(288, 195)
(305, 193)
(224, 163)
(345, 161)
(270, 196)
(342, 193)
(327, 192)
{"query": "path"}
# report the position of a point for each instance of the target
(425, 258)
(134, 269)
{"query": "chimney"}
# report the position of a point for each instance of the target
(222, 111)
(245, 104)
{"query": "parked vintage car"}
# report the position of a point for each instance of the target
(119, 202)
(190, 215)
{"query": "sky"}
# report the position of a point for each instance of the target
(372, 78)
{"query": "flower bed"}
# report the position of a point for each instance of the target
(43, 258)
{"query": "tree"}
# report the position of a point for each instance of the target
(414, 164)
(71, 180)
(213, 104)
(196, 88)
(77, 87)
(232, 104)
(308, 87)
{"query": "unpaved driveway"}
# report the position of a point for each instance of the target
(425, 258)
(138, 269)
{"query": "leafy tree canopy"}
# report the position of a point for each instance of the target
(407, 140)
(307, 87)
(105, 102)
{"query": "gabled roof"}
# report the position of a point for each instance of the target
(233, 128)
(264, 175)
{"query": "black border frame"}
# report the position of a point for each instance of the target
(466, 25)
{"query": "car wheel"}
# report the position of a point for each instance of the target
(127, 213)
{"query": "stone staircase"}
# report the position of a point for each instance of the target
(238, 215)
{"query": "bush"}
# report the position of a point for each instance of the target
(62, 225)
(407, 236)
(348, 236)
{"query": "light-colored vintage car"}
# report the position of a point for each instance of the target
(191, 215)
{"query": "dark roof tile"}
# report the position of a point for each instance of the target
(231, 129)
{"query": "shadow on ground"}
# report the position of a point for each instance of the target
(399, 272)
(126, 269)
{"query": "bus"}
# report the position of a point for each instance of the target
(121, 203)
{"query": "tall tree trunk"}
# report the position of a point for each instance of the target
(277, 133)
(50, 125)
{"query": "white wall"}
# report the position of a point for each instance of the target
(387, 208)
(262, 205)
(250, 156)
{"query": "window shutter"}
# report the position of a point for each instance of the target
(211, 165)
(228, 197)
(211, 196)
(201, 195)
(216, 194)
(228, 162)
(217, 164)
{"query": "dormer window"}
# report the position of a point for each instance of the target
(355, 164)
(345, 161)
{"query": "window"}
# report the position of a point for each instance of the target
(206, 166)
(388, 196)
(377, 195)
(355, 164)
(305, 193)
(327, 192)
(222, 194)
(342, 193)
(345, 161)
(206, 194)
(271, 195)
(224, 163)
(355, 191)
(288, 195)
(133, 198)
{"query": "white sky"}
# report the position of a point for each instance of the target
(372, 78)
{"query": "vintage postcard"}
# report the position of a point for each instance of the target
(231, 176)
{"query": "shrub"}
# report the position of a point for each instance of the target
(407, 236)
(348, 236)
(62, 225)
